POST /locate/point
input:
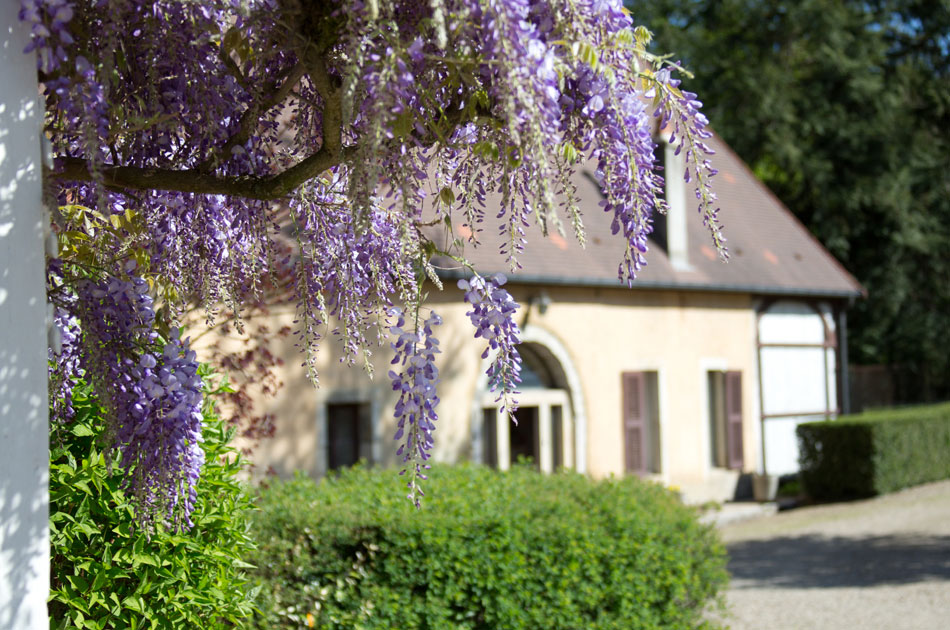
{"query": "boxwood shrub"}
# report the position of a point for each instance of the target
(107, 573)
(487, 551)
(875, 452)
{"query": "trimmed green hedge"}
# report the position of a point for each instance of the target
(875, 452)
(487, 551)
(106, 573)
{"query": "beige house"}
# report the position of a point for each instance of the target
(700, 372)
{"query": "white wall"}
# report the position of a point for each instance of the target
(24, 431)
(797, 379)
(794, 380)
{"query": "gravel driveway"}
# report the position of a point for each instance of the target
(881, 563)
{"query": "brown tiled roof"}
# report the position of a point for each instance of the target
(770, 252)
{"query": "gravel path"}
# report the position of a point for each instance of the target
(881, 563)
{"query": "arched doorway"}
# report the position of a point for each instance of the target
(544, 429)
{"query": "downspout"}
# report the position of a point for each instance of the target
(845, 393)
(762, 307)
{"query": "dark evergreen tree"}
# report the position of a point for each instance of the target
(843, 109)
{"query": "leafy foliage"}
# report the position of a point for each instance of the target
(842, 109)
(875, 452)
(488, 549)
(108, 573)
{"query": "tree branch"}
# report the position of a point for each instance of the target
(251, 116)
(198, 180)
(195, 181)
(330, 94)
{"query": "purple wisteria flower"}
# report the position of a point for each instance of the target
(152, 392)
(206, 132)
(349, 271)
(64, 355)
(161, 443)
(681, 109)
(416, 382)
(49, 35)
(493, 316)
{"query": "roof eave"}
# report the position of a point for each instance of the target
(567, 281)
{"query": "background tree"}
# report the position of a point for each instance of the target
(842, 109)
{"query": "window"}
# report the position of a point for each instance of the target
(557, 436)
(524, 438)
(542, 428)
(489, 436)
(349, 434)
(641, 422)
(542, 431)
(725, 419)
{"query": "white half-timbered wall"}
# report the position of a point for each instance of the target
(797, 376)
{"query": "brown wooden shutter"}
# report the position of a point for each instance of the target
(634, 422)
(734, 419)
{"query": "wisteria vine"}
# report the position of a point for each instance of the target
(149, 385)
(416, 382)
(493, 316)
(198, 135)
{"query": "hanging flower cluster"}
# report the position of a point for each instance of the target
(150, 387)
(356, 265)
(162, 439)
(493, 316)
(682, 110)
(205, 132)
(416, 383)
(49, 35)
(64, 356)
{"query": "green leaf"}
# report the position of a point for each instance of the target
(146, 558)
(100, 580)
(81, 430)
(402, 125)
(569, 151)
(231, 40)
(87, 528)
(133, 603)
(447, 196)
(79, 582)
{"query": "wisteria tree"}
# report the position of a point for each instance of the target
(187, 133)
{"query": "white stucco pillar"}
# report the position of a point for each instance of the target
(545, 440)
(503, 440)
(24, 431)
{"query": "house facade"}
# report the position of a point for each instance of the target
(697, 374)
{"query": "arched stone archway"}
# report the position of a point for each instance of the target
(552, 419)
